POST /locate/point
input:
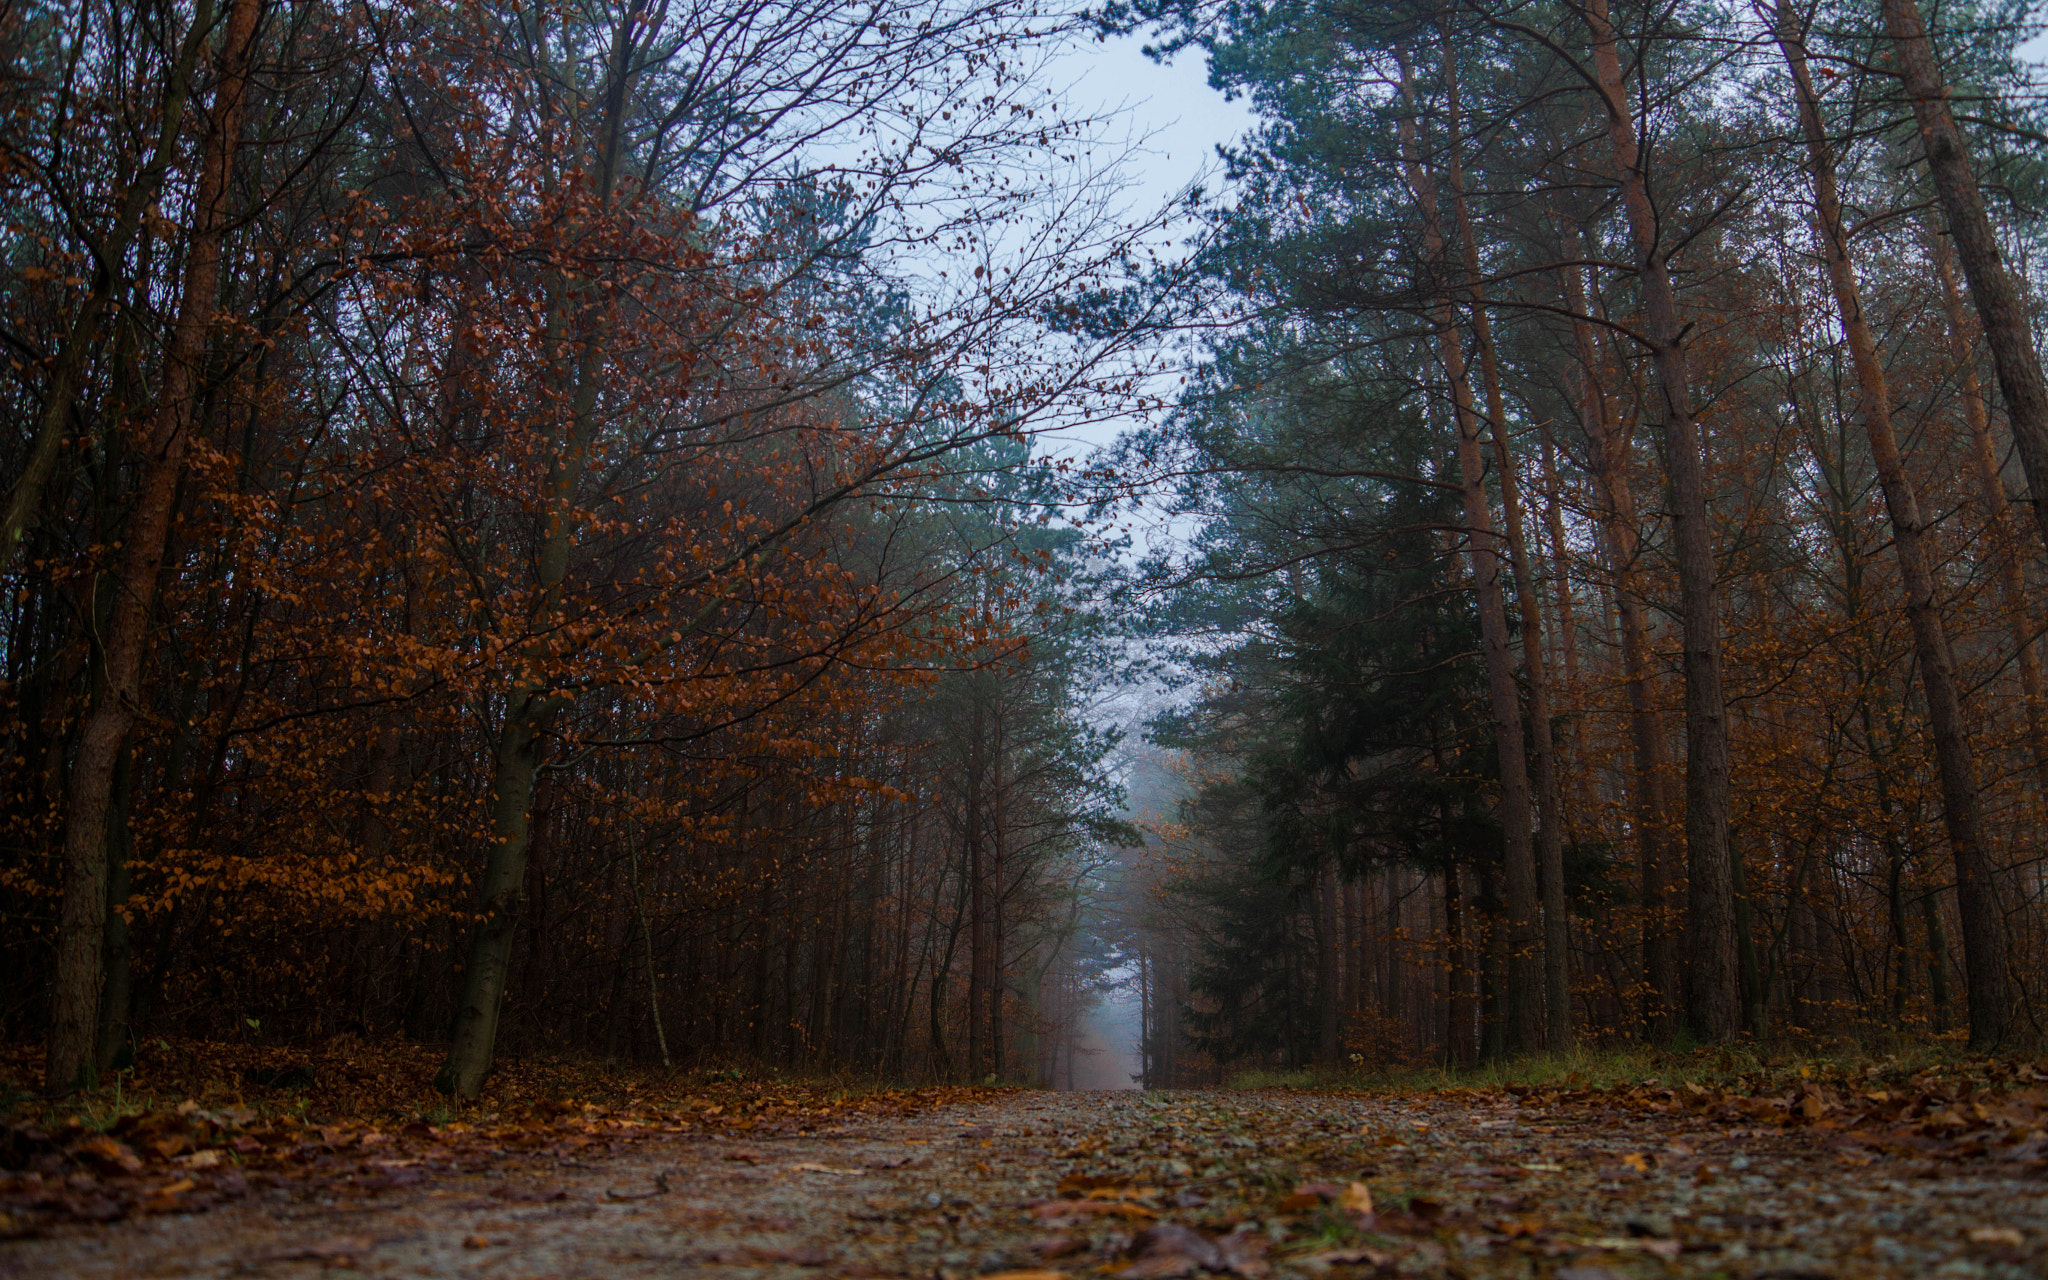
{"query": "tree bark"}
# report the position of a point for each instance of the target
(1984, 949)
(1557, 998)
(26, 494)
(1714, 982)
(1650, 803)
(2001, 310)
(2008, 559)
(530, 706)
(75, 1001)
(1522, 1031)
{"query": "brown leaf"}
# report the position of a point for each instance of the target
(890, 1162)
(801, 1256)
(165, 1199)
(1244, 1253)
(1170, 1249)
(1080, 1183)
(1077, 1208)
(340, 1249)
(1356, 1198)
(1324, 1259)
(110, 1155)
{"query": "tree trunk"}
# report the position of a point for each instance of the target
(1557, 999)
(2008, 558)
(54, 414)
(1328, 1005)
(2001, 310)
(531, 707)
(1522, 1030)
(114, 1042)
(81, 930)
(977, 897)
(1457, 1011)
(1650, 803)
(1714, 982)
(1984, 953)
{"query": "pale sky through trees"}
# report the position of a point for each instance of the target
(1175, 123)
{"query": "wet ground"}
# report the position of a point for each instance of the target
(1138, 1186)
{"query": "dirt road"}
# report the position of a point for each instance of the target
(1141, 1186)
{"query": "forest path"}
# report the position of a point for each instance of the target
(1145, 1186)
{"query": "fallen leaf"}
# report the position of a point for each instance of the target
(1637, 1160)
(801, 1256)
(110, 1154)
(811, 1166)
(1666, 1249)
(1356, 1198)
(1324, 1259)
(165, 1198)
(892, 1162)
(1028, 1274)
(1105, 1208)
(1169, 1250)
(205, 1159)
(1996, 1235)
(1081, 1183)
(1244, 1253)
(475, 1242)
(338, 1249)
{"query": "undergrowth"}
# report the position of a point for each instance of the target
(391, 1080)
(1610, 1066)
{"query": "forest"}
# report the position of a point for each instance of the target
(1613, 614)
(544, 530)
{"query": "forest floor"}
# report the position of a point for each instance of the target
(1936, 1173)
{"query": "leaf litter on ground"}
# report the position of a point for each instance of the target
(1818, 1170)
(202, 1124)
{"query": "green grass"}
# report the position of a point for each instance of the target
(1609, 1066)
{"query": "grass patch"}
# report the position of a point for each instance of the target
(1607, 1067)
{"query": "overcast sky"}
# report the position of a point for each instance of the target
(1171, 103)
(1174, 117)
